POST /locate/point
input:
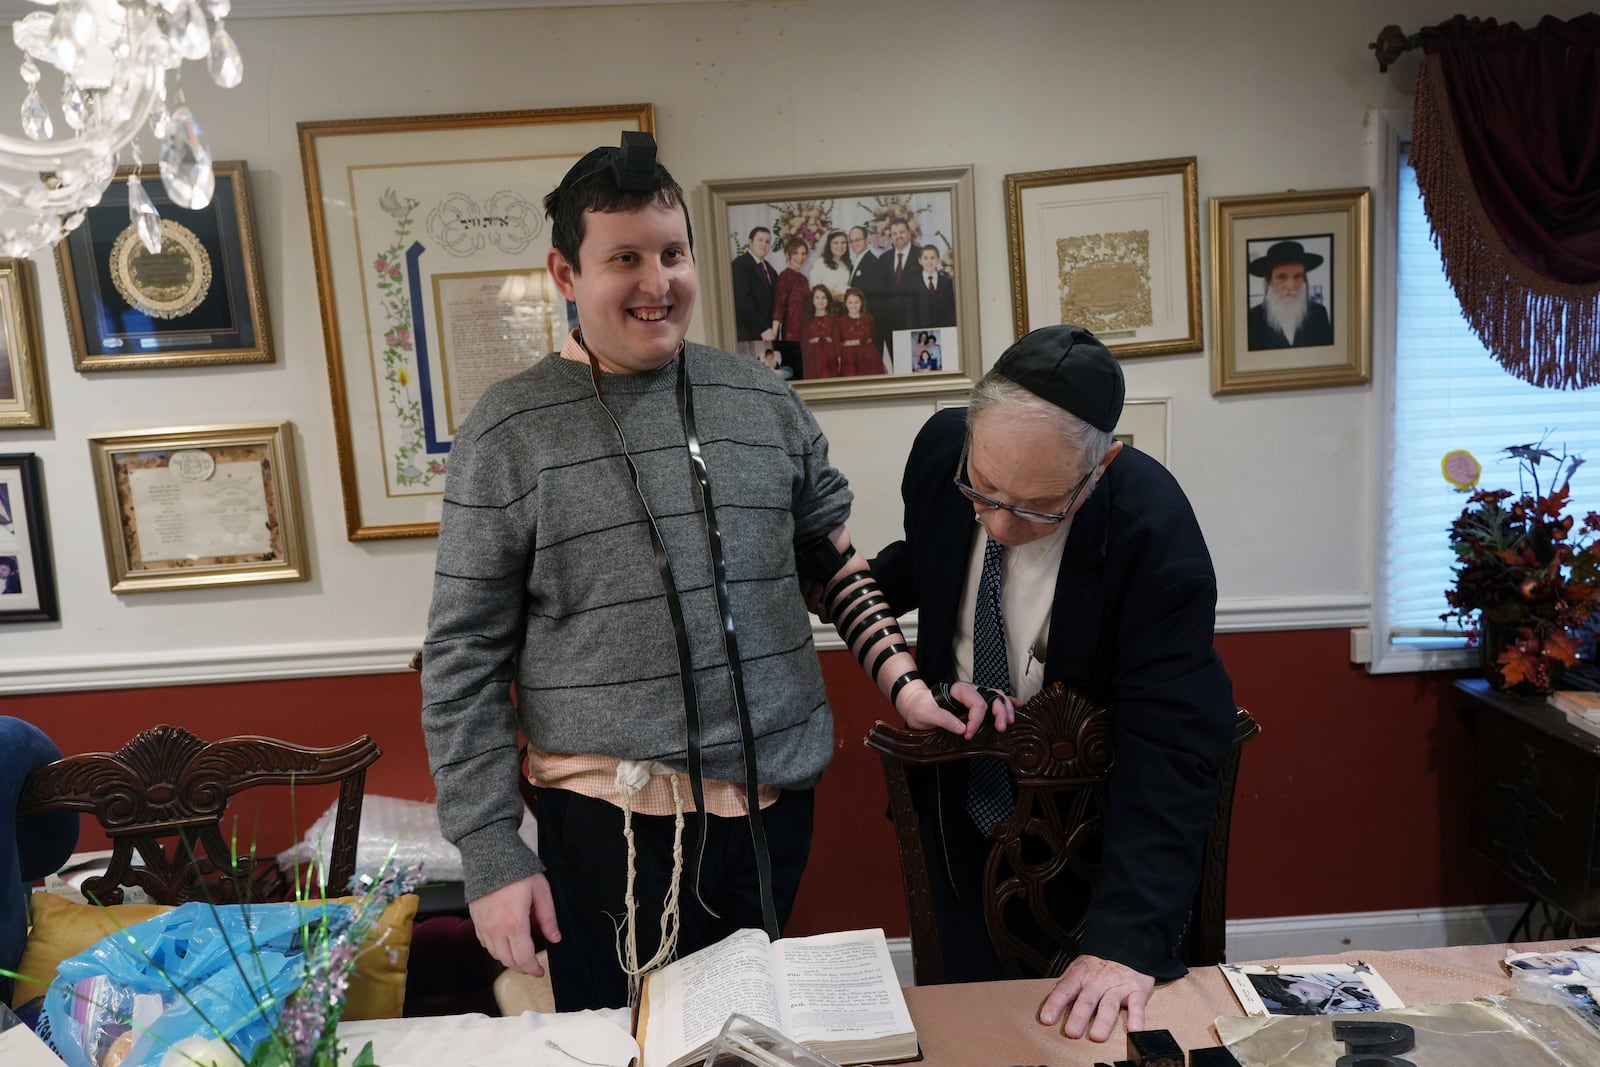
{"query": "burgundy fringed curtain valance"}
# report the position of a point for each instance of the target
(1506, 145)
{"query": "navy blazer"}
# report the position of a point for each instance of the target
(1132, 624)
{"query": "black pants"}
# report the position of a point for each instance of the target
(586, 859)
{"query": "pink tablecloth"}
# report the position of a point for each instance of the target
(995, 1023)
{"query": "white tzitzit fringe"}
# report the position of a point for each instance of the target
(632, 776)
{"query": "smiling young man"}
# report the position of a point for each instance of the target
(618, 548)
(1042, 547)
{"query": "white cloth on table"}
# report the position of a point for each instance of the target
(526, 1040)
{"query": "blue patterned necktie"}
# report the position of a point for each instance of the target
(990, 792)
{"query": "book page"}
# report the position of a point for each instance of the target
(690, 999)
(840, 986)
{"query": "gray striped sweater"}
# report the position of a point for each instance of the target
(546, 579)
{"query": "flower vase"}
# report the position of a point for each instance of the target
(1493, 639)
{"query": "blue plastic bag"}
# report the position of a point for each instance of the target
(199, 971)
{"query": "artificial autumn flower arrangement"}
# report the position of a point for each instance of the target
(1521, 566)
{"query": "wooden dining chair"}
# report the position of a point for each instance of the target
(162, 798)
(1060, 750)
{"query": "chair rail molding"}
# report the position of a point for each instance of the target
(136, 670)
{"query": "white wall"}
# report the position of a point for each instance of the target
(1267, 96)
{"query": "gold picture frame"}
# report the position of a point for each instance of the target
(23, 400)
(916, 344)
(429, 240)
(200, 301)
(199, 506)
(1112, 248)
(1324, 238)
(1145, 424)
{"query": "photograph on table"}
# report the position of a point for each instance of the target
(27, 581)
(1290, 284)
(198, 298)
(862, 284)
(429, 241)
(199, 506)
(23, 402)
(1112, 248)
(1309, 988)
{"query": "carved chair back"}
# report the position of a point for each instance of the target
(162, 797)
(1060, 751)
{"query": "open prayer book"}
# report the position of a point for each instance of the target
(836, 994)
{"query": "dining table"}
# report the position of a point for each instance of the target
(984, 1024)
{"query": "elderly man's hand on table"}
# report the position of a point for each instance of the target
(1096, 989)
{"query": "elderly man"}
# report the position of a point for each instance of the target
(1085, 566)
(1286, 316)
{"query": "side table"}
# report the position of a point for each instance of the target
(1536, 803)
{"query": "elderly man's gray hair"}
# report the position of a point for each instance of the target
(1007, 398)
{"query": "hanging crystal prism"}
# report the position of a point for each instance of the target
(227, 67)
(186, 163)
(73, 107)
(35, 119)
(142, 214)
(186, 29)
(218, 9)
(29, 72)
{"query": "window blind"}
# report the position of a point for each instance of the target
(1449, 393)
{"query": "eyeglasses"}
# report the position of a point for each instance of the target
(1046, 518)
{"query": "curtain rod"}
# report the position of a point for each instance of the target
(1392, 43)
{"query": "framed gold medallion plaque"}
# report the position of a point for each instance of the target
(200, 299)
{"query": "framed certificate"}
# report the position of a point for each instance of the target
(199, 300)
(211, 505)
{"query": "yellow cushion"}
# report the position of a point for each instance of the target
(62, 929)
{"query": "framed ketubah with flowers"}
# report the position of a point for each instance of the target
(429, 240)
(848, 285)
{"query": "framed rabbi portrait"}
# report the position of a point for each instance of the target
(847, 285)
(1290, 277)
(199, 506)
(1113, 248)
(430, 244)
(27, 581)
(199, 300)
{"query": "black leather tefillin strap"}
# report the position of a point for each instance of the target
(730, 644)
(680, 631)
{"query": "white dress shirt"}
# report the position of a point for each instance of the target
(1027, 593)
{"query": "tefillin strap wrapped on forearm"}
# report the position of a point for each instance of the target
(855, 602)
(862, 613)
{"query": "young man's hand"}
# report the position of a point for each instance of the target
(504, 921)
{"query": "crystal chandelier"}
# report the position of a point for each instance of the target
(114, 58)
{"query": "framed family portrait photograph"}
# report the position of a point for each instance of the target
(1113, 248)
(199, 506)
(23, 401)
(848, 285)
(1290, 281)
(429, 241)
(27, 581)
(199, 300)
